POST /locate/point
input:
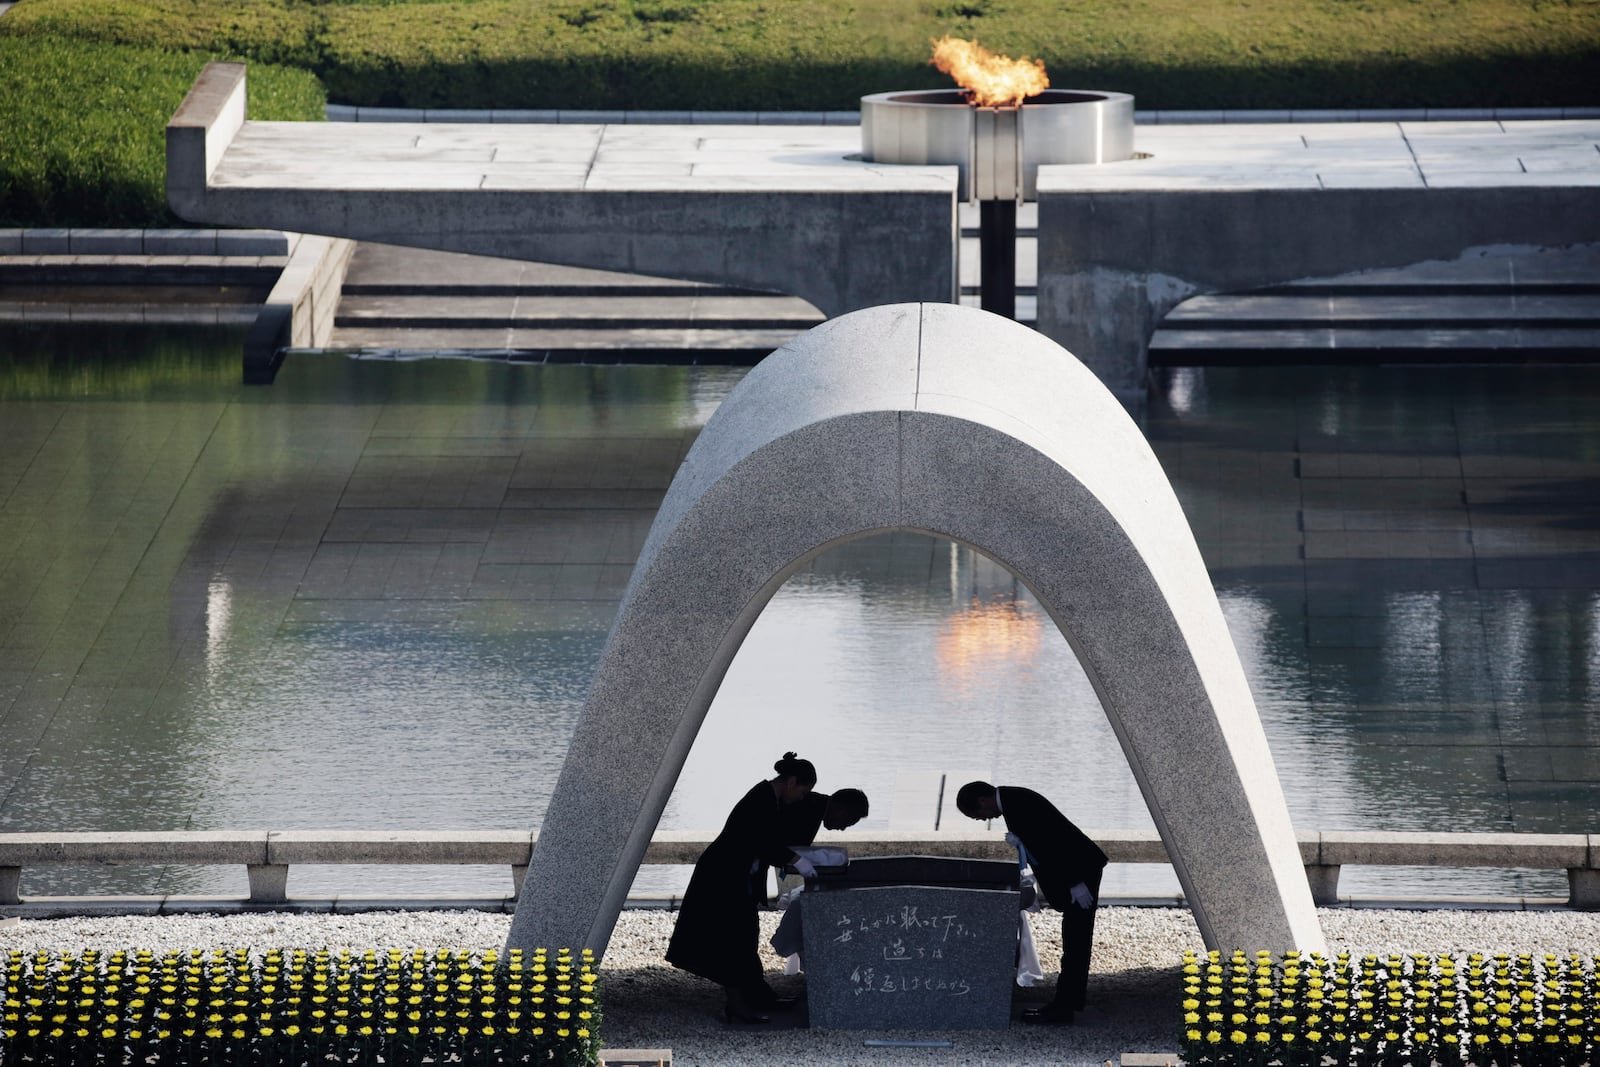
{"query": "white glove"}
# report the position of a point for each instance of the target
(1013, 840)
(804, 867)
(1082, 897)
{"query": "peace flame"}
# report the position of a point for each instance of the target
(991, 80)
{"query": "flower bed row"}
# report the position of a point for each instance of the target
(1448, 1009)
(300, 1006)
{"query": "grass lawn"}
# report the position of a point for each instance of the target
(86, 85)
(82, 127)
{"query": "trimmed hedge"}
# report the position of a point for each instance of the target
(292, 1006)
(824, 54)
(87, 86)
(83, 141)
(1455, 1010)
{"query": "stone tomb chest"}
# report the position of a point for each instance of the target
(911, 943)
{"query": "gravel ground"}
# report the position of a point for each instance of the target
(1133, 991)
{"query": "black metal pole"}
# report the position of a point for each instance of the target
(997, 256)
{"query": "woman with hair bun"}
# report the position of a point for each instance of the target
(718, 929)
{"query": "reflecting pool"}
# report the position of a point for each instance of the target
(372, 594)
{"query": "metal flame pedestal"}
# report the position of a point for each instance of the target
(998, 151)
(997, 256)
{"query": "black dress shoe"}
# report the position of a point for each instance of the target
(739, 1009)
(1049, 1015)
(764, 998)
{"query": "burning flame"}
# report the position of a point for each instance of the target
(990, 80)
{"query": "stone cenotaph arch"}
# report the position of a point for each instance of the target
(955, 422)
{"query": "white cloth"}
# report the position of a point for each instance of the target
(788, 938)
(822, 855)
(1029, 969)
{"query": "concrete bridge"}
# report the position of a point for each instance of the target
(774, 208)
(1212, 208)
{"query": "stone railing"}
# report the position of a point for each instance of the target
(268, 854)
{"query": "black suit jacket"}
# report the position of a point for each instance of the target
(802, 819)
(1062, 854)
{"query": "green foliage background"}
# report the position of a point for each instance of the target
(87, 85)
(82, 127)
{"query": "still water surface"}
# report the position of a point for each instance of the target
(372, 594)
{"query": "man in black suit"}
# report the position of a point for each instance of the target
(1067, 867)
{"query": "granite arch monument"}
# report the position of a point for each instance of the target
(948, 420)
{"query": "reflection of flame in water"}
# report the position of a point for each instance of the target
(972, 642)
(990, 80)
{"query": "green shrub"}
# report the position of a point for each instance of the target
(84, 127)
(1449, 1009)
(284, 1006)
(824, 54)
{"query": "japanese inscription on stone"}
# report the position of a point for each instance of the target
(896, 957)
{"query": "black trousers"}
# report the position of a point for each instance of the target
(1077, 942)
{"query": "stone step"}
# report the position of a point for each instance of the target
(721, 347)
(1377, 310)
(1191, 347)
(629, 312)
(162, 313)
(75, 271)
(388, 270)
(400, 303)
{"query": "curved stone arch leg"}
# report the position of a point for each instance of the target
(954, 422)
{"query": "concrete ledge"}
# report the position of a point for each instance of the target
(105, 242)
(145, 847)
(268, 854)
(45, 242)
(90, 241)
(254, 243)
(166, 314)
(186, 243)
(201, 129)
(1379, 848)
(399, 846)
(515, 847)
(300, 310)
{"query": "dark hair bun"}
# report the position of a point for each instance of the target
(792, 766)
